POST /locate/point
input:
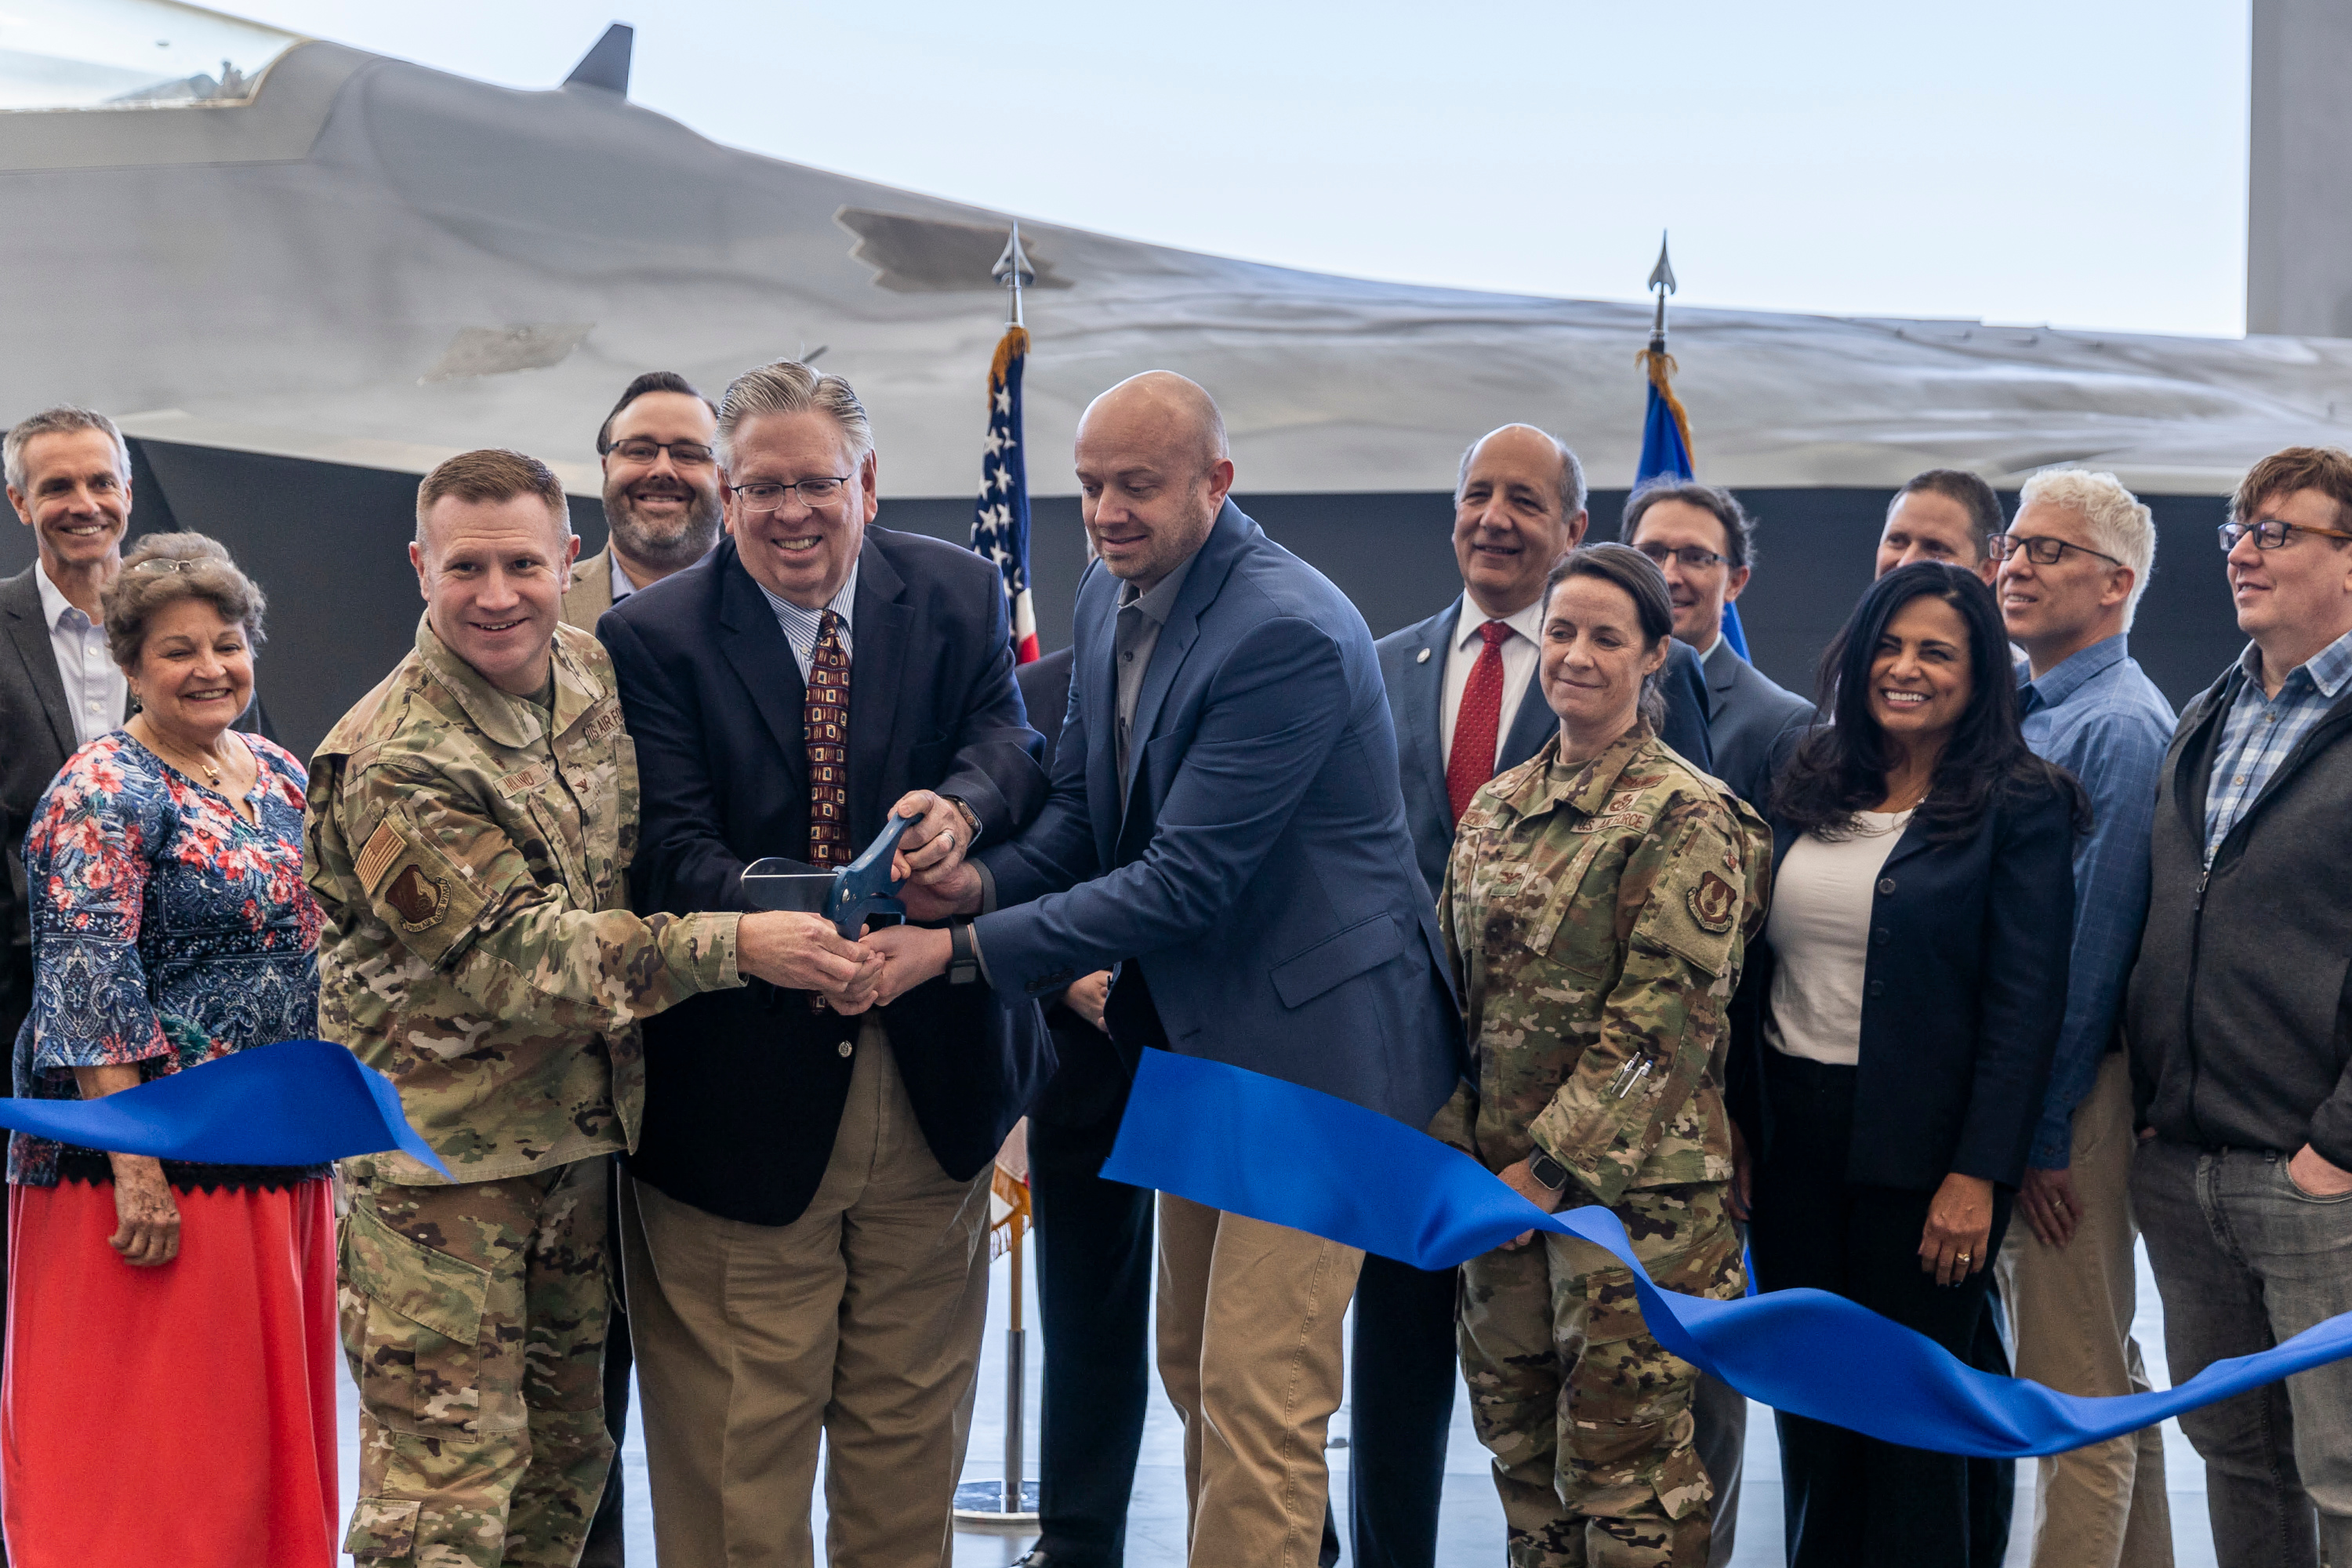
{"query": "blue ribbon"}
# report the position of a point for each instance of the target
(300, 1102)
(1253, 1145)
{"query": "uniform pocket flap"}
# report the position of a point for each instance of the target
(1365, 945)
(429, 1289)
(383, 1530)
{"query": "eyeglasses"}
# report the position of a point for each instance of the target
(764, 495)
(164, 564)
(2270, 534)
(1690, 555)
(2041, 551)
(644, 449)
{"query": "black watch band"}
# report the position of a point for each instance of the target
(1548, 1171)
(963, 959)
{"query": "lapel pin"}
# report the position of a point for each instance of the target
(1421, 658)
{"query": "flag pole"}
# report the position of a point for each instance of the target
(1009, 1504)
(1013, 271)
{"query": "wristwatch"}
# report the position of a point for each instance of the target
(1548, 1171)
(963, 959)
(971, 820)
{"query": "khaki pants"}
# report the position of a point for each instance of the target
(861, 1320)
(473, 1316)
(2071, 1311)
(1250, 1317)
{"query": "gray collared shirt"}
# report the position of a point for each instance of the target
(802, 627)
(1140, 618)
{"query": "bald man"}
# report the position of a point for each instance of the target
(1226, 829)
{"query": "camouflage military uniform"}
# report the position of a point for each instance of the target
(1597, 917)
(469, 848)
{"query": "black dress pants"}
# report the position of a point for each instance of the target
(1851, 1502)
(1402, 1376)
(1095, 1270)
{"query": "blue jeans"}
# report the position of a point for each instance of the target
(2244, 1259)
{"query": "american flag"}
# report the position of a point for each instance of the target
(1000, 520)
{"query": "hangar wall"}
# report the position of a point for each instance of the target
(329, 544)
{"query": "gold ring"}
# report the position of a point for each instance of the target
(1963, 1258)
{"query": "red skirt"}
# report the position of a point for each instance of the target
(181, 1414)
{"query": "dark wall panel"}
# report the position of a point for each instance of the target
(329, 545)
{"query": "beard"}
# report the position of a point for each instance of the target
(668, 544)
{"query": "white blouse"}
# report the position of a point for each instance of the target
(1820, 933)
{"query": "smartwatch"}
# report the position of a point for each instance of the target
(963, 959)
(1547, 1171)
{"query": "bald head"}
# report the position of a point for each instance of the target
(1179, 410)
(1519, 506)
(1153, 472)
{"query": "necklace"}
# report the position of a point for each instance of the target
(173, 753)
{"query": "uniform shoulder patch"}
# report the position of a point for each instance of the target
(382, 848)
(1713, 902)
(420, 900)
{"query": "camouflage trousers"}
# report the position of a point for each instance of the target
(1587, 1415)
(474, 1318)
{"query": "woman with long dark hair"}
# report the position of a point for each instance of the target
(1897, 1024)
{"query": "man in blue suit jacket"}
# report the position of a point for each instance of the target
(1519, 506)
(1225, 825)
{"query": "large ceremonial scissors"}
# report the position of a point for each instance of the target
(847, 897)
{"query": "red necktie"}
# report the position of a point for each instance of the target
(825, 724)
(1477, 728)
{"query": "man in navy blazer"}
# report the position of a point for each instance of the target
(1519, 506)
(804, 1220)
(1225, 827)
(1703, 540)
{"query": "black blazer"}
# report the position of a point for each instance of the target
(744, 1088)
(1963, 994)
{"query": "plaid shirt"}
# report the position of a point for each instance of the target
(2098, 716)
(2262, 730)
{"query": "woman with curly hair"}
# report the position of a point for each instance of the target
(170, 1388)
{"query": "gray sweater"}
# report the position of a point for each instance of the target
(2237, 1017)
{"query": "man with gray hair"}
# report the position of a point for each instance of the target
(1463, 696)
(2070, 572)
(69, 479)
(805, 1218)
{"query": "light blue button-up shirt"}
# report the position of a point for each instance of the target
(2098, 716)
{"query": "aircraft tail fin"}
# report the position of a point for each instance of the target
(606, 65)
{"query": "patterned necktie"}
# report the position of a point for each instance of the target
(1477, 728)
(825, 725)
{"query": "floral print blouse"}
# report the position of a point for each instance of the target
(167, 929)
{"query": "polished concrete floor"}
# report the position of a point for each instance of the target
(1471, 1529)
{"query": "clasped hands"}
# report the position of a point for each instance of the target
(804, 953)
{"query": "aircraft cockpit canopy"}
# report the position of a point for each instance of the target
(130, 54)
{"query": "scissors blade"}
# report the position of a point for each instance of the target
(767, 886)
